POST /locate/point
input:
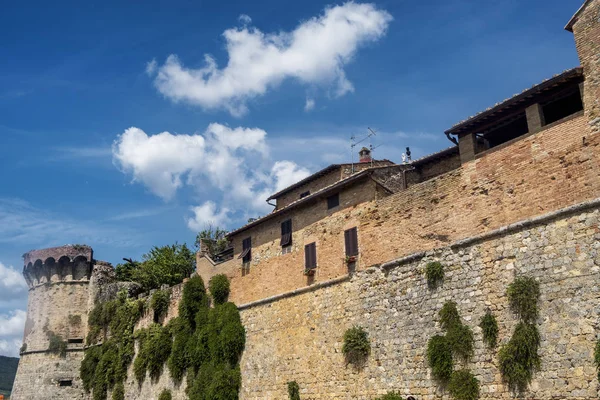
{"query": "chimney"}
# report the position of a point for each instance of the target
(365, 155)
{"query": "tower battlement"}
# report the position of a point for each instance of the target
(69, 263)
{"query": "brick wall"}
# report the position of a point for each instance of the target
(300, 337)
(272, 272)
(313, 186)
(587, 41)
(554, 168)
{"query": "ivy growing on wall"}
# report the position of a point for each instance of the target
(597, 358)
(165, 395)
(57, 345)
(434, 272)
(390, 396)
(219, 288)
(443, 349)
(160, 304)
(202, 343)
(356, 347)
(293, 390)
(519, 359)
(489, 328)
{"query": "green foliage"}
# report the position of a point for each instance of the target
(391, 396)
(154, 350)
(489, 328)
(523, 295)
(165, 395)
(439, 357)
(192, 300)
(162, 265)
(434, 272)
(597, 358)
(160, 304)
(219, 288)
(74, 320)
(213, 239)
(463, 385)
(105, 366)
(356, 347)
(449, 315)
(23, 348)
(519, 358)
(460, 339)
(216, 382)
(293, 390)
(118, 392)
(57, 345)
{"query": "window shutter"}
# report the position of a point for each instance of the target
(351, 240)
(310, 256)
(246, 250)
(286, 233)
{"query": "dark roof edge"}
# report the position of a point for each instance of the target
(575, 17)
(433, 156)
(570, 73)
(303, 200)
(301, 182)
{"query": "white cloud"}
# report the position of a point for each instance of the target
(207, 215)
(11, 332)
(12, 284)
(245, 19)
(309, 105)
(314, 53)
(151, 67)
(231, 162)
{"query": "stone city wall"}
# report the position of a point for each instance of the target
(300, 337)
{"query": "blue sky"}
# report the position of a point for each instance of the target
(107, 140)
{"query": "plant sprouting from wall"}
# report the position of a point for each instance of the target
(165, 395)
(489, 329)
(439, 358)
(519, 359)
(523, 295)
(118, 392)
(160, 304)
(597, 358)
(463, 385)
(219, 288)
(293, 390)
(356, 347)
(57, 344)
(434, 272)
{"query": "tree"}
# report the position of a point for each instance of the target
(214, 240)
(161, 265)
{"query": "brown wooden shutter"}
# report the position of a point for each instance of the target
(246, 250)
(310, 256)
(351, 241)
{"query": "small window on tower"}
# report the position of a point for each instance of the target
(65, 382)
(333, 201)
(304, 194)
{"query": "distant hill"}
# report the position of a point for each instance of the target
(8, 370)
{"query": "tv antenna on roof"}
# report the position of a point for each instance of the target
(354, 143)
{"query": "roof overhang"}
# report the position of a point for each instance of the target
(515, 103)
(305, 200)
(575, 17)
(306, 180)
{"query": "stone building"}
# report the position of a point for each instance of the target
(518, 193)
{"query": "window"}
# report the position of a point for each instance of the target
(75, 340)
(246, 254)
(333, 201)
(351, 240)
(286, 233)
(310, 256)
(304, 194)
(65, 382)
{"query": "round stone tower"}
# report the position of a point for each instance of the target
(57, 310)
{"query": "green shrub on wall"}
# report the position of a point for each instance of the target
(118, 392)
(160, 304)
(356, 347)
(165, 395)
(203, 343)
(523, 295)
(219, 288)
(460, 339)
(449, 316)
(293, 390)
(439, 357)
(489, 329)
(57, 344)
(597, 358)
(519, 358)
(434, 272)
(463, 385)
